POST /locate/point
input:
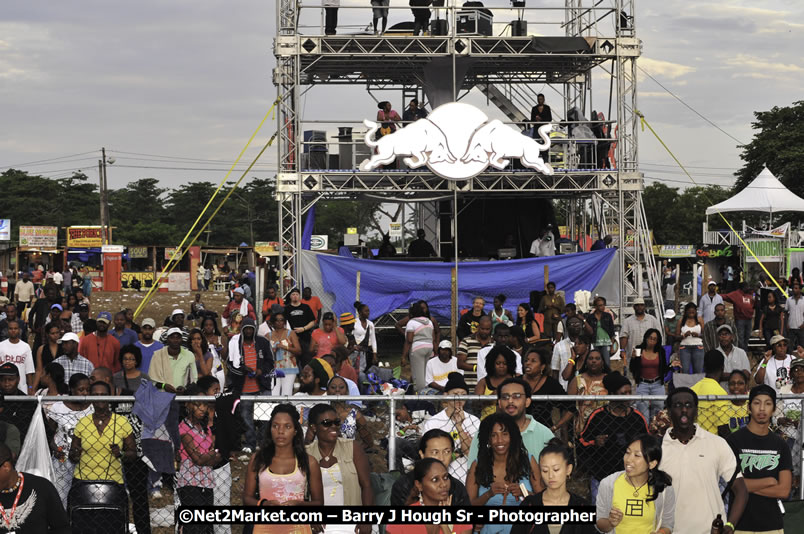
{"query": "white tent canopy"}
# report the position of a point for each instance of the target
(766, 194)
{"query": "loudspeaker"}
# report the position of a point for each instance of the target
(519, 28)
(438, 27)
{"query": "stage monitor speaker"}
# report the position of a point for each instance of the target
(438, 27)
(519, 28)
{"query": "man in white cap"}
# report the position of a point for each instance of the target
(670, 322)
(706, 306)
(148, 345)
(173, 367)
(239, 304)
(176, 321)
(634, 328)
(70, 360)
(438, 369)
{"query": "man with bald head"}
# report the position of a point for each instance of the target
(471, 345)
(103, 374)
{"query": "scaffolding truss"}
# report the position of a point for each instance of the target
(505, 69)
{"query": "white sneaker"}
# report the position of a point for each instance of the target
(156, 494)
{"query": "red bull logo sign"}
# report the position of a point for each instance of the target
(457, 142)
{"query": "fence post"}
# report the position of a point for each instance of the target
(391, 433)
(801, 451)
(357, 287)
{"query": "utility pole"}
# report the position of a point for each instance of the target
(103, 222)
(106, 223)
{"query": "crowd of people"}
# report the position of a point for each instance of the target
(643, 464)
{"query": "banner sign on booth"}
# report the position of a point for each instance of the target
(677, 251)
(39, 236)
(5, 229)
(137, 252)
(779, 231)
(179, 282)
(84, 236)
(169, 253)
(716, 251)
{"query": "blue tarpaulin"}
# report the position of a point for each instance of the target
(389, 285)
(309, 224)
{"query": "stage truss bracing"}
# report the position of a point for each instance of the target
(512, 65)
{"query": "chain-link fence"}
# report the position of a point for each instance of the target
(116, 469)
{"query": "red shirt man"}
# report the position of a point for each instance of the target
(101, 349)
(271, 299)
(313, 302)
(743, 300)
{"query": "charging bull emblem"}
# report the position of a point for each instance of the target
(457, 141)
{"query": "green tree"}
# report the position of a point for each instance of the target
(138, 212)
(39, 201)
(185, 203)
(334, 217)
(676, 218)
(779, 145)
(656, 198)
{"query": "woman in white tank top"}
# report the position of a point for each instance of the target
(689, 329)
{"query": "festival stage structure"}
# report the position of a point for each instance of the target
(580, 44)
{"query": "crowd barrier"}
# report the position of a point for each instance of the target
(387, 450)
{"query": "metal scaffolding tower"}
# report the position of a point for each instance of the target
(504, 68)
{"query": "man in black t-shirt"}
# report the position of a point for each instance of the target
(30, 503)
(766, 463)
(302, 320)
(609, 431)
(467, 324)
(420, 247)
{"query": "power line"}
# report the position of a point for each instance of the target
(188, 168)
(688, 166)
(171, 157)
(55, 162)
(686, 182)
(46, 160)
(671, 93)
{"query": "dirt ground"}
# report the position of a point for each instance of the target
(159, 305)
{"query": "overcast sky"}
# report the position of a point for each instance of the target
(190, 81)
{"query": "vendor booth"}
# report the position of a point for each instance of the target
(774, 247)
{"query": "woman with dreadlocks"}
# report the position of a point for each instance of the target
(281, 473)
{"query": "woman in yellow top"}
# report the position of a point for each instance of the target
(640, 499)
(500, 366)
(100, 440)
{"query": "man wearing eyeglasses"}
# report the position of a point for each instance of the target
(513, 398)
(774, 370)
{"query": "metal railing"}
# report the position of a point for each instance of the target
(383, 427)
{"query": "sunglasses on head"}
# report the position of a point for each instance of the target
(330, 422)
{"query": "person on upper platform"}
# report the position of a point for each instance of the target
(545, 244)
(420, 247)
